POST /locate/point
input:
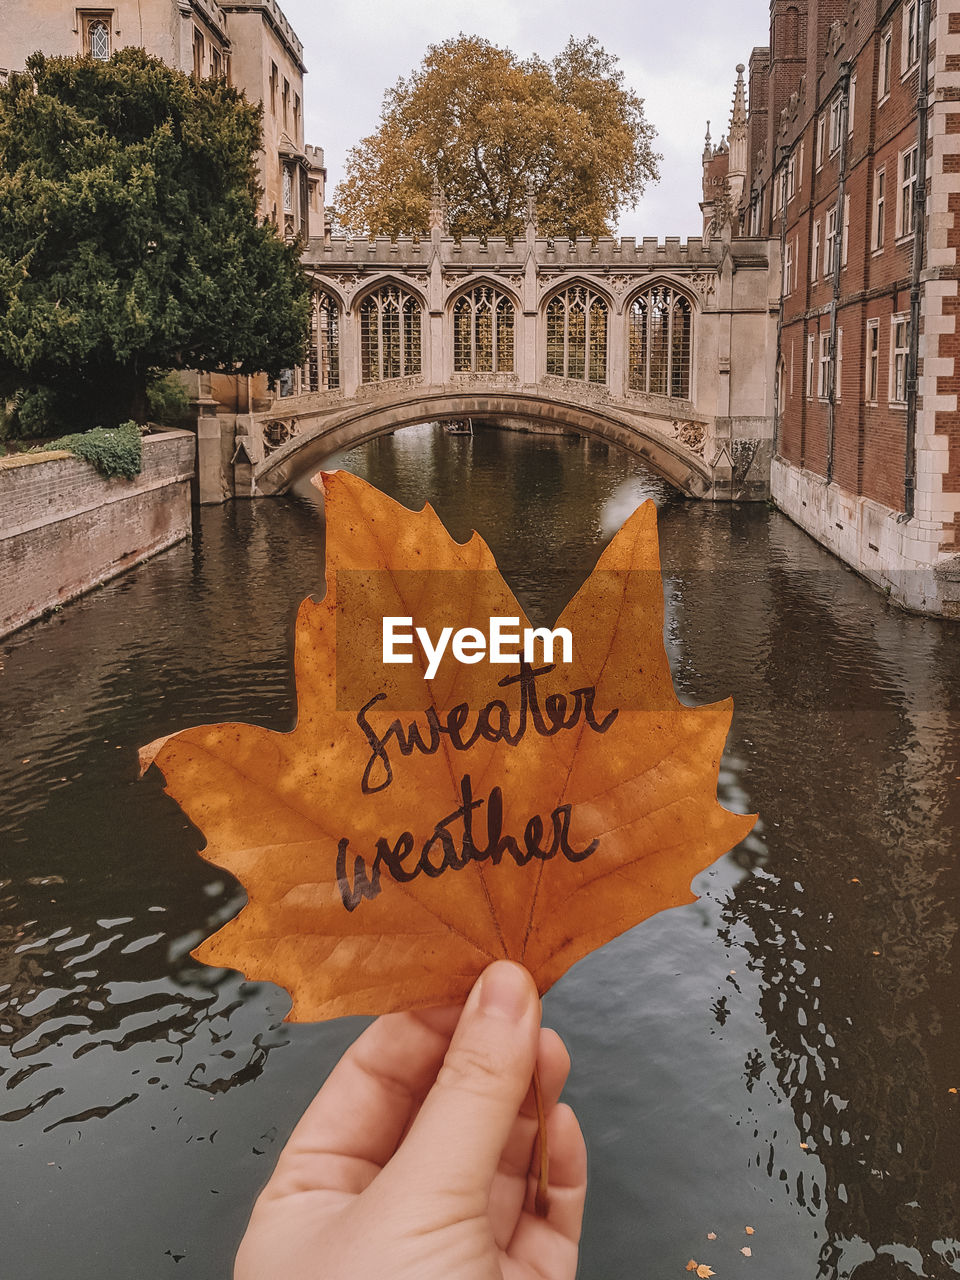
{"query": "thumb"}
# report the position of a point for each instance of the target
(458, 1137)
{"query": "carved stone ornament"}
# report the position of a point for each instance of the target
(346, 282)
(690, 434)
(704, 283)
(277, 432)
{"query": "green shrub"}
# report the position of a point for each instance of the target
(114, 451)
(167, 401)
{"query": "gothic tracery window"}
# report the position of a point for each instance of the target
(96, 35)
(389, 334)
(323, 364)
(660, 343)
(577, 335)
(483, 322)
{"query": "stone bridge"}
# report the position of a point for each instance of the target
(666, 348)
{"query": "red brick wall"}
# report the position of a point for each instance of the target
(869, 439)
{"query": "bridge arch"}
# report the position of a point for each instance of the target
(315, 438)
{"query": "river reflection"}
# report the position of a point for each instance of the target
(778, 1055)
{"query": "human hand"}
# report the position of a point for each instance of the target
(413, 1162)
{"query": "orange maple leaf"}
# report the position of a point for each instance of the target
(408, 830)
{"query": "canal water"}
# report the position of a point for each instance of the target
(783, 1055)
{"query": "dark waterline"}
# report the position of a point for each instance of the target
(779, 1054)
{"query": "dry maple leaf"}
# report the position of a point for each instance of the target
(409, 831)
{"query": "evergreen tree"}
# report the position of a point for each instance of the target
(130, 241)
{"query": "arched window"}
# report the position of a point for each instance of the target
(389, 334)
(577, 335)
(98, 39)
(661, 334)
(323, 365)
(483, 332)
(791, 32)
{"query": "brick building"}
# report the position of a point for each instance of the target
(849, 155)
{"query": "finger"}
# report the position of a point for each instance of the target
(456, 1141)
(548, 1246)
(509, 1190)
(353, 1126)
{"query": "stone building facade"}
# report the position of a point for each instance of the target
(851, 151)
(248, 41)
(253, 45)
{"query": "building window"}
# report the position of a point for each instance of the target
(879, 204)
(286, 383)
(577, 335)
(815, 252)
(296, 117)
(216, 63)
(286, 100)
(845, 243)
(390, 331)
(823, 367)
(661, 343)
(811, 339)
(198, 53)
(287, 189)
(851, 103)
(911, 35)
(836, 115)
(886, 65)
(821, 140)
(96, 34)
(907, 192)
(830, 244)
(791, 177)
(323, 365)
(873, 360)
(274, 81)
(755, 214)
(483, 332)
(788, 252)
(899, 347)
(838, 379)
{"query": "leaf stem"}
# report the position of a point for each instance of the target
(542, 1200)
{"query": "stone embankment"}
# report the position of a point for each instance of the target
(64, 528)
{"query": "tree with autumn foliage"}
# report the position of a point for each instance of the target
(481, 122)
(130, 241)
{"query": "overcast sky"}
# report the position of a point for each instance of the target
(679, 55)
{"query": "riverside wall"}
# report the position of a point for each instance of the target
(64, 528)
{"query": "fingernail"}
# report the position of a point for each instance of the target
(505, 990)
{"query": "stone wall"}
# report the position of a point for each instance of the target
(900, 557)
(64, 528)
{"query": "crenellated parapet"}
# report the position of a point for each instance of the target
(648, 253)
